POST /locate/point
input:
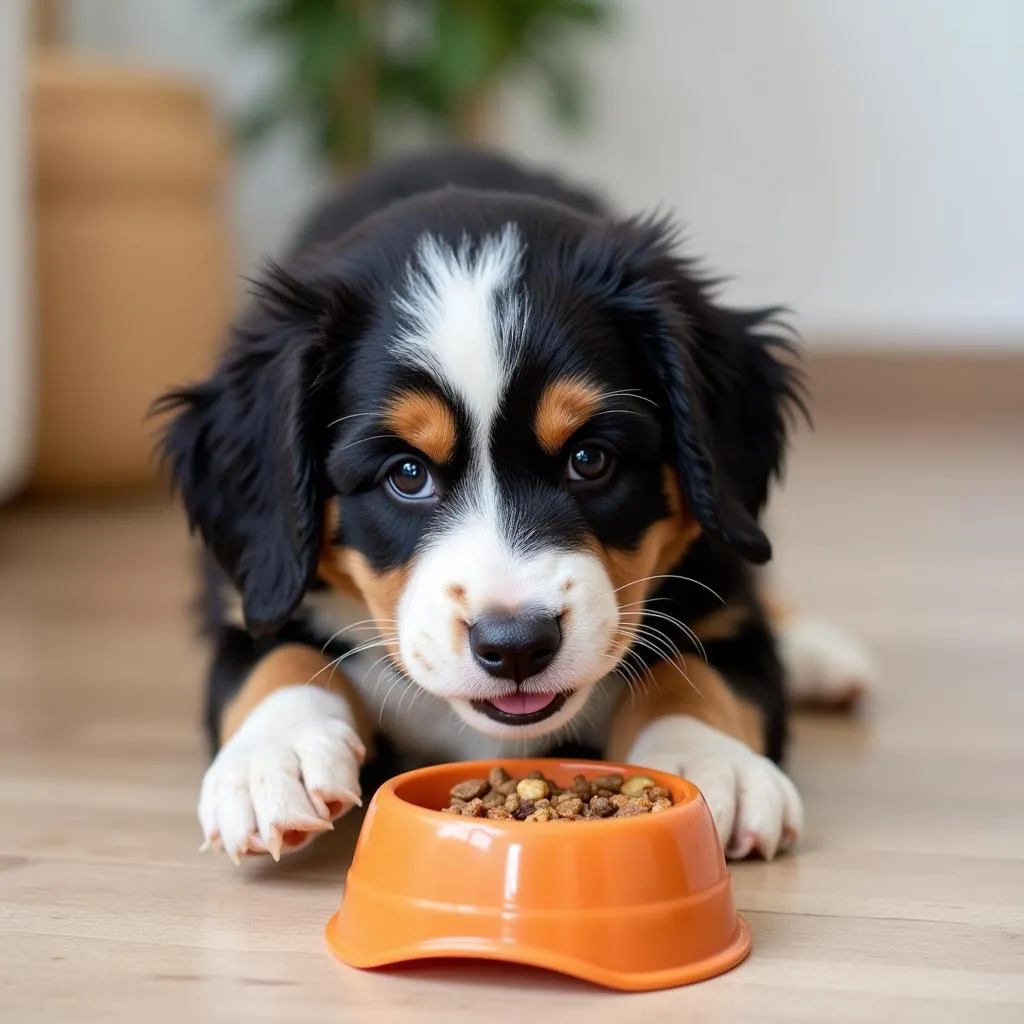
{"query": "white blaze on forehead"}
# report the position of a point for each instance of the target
(464, 321)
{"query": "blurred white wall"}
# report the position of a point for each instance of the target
(860, 160)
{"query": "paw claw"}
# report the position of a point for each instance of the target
(276, 844)
(741, 846)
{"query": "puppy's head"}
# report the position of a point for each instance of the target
(497, 421)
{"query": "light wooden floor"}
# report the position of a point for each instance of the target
(905, 902)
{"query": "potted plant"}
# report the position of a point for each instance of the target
(350, 65)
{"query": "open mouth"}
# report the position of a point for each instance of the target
(521, 708)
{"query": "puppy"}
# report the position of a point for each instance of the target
(480, 474)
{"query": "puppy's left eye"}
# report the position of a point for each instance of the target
(590, 464)
(410, 480)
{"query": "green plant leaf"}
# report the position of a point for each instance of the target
(466, 48)
(340, 52)
(562, 82)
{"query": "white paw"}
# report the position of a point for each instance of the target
(289, 771)
(825, 666)
(755, 806)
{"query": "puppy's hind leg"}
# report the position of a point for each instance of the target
(825, 666)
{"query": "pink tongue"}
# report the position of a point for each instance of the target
(523, 703)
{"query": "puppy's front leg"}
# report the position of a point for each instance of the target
(293, 740)
(695, 726)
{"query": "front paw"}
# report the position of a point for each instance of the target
(273, 792)
(755, 806)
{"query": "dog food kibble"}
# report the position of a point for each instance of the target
(474, 809)
(470, 789)
(500, 797)
(635, 786)
(533, 789)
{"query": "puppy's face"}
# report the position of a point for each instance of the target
(499, 436)
(503, 493)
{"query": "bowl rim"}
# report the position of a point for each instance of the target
(691, 794)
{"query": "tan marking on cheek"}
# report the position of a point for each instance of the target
(292, 665)
(723, 624)
(347, 570)
(457, 595)
(567, 586)
(705, 696)
(662, 546)
(565, 406)
(425, 422)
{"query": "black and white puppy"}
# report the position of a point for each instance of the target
(481, 473)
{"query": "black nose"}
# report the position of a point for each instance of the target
(514, 646)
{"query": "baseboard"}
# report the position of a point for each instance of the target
(916, 385)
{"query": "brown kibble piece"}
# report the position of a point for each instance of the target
(602, 807)
(509, 787)
(533, 789)
(571, 808)
(619, 801)
(474, 809)
(542, 814)
(661, 804)
(635, 785)
(536, 775)
(494, 799)
(470, 789)
(498, 813)
(497, 777)
(612, 782)
(523, 811)
(659, 793)
(451, 810)
(606, 793)
(512, 802)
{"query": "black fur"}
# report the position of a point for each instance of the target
(285, 422)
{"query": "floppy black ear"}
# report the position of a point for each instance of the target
(245, 446)
(726, 377)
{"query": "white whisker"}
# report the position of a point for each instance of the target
(350, 416)
(673, 576)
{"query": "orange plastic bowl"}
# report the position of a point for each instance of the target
(634, 903)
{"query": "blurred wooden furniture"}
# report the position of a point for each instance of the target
(15, 339)
(133, 274)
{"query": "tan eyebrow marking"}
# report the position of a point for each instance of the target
(425, 422)
(565, 406)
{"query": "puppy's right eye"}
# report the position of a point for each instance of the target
(410, 480)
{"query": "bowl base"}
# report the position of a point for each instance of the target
(453, 948)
